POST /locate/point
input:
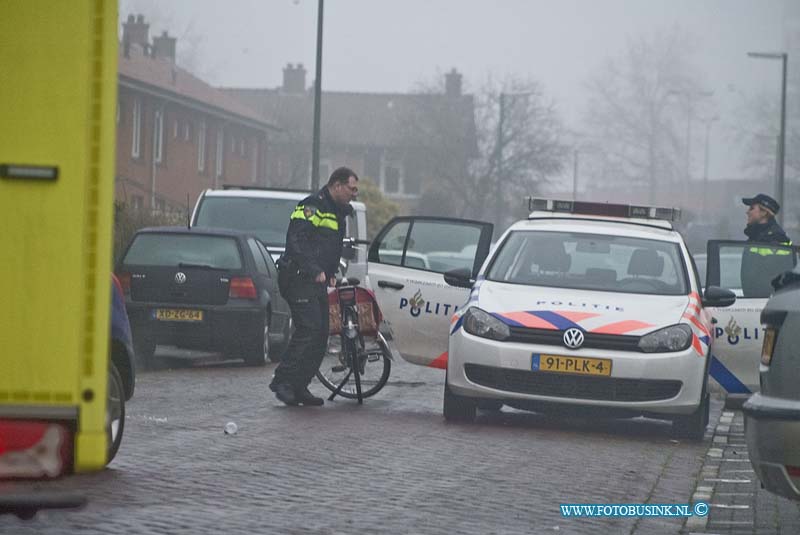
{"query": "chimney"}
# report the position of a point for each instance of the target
(452, 83)
(135, 31)
(294, 78)
(164, 47)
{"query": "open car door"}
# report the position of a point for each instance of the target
(407, 261)
(746, 268)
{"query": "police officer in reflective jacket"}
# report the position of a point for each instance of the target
(760, 263)
(309, 265)
(761, 223)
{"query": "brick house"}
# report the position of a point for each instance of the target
(177, 135)
(401, 141)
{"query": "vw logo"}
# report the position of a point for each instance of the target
(573, 338)
(180, 278)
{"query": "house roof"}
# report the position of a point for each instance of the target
(365, 119)
(163, 76)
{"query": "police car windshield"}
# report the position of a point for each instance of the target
(590, 262)
(266, 219)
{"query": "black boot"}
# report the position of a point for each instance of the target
(305, 397)
(285, 393)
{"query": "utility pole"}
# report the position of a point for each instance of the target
(779, 180)
(315, 178)
(499, 164)
(575, 177)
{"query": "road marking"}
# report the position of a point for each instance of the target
(726, 506)
(723, 480)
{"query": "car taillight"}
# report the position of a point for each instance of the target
(768, 346)
(242, 288)
(793, 471)
(124, 283)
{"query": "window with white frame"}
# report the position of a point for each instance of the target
(392, 178)
(201, 148)
(137, 128)
(158, 136)
(220, 152)
(187, 131)
(241, 147)
(175, 129)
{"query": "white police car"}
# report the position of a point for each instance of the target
(582, 306)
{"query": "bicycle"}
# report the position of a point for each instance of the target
(356, 348)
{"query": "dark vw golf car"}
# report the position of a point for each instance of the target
(199, 288)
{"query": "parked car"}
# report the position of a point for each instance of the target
(772, 416)
(265, 212)
(201, 288)
(121, 369)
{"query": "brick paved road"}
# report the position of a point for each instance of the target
(390, 466)
(738, 503)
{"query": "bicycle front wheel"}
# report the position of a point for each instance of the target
(372, 364)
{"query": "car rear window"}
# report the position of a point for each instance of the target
(591, 262)
(153, 249)
(266, 219)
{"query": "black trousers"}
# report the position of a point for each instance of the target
(309, 304)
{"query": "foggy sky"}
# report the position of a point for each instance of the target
(392, 45)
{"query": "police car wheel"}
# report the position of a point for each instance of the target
(457, 408)
(693, 426)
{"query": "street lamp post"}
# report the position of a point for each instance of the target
(784, 57)
(317, 103)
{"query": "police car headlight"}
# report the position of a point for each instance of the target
(672, 338)
(481, 323)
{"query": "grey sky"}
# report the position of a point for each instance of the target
(383, 46)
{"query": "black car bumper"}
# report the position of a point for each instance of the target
(221, 328)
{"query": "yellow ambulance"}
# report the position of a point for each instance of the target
(61, 394)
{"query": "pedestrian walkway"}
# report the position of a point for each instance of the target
(728, 483)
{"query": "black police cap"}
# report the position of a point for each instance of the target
(764, 200)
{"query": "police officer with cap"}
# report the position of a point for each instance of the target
(309, 265)
(761, 223)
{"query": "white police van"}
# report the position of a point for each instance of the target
(264, 213)
(582, 305)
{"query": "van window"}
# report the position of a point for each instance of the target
(266, 219)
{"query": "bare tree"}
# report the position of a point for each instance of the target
(483, 169)
(637, 107)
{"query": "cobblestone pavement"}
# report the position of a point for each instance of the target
(390, 466)
(727, 481)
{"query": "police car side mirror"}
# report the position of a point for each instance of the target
(460, 277)
(714, 296)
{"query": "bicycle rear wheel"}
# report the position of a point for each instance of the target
(373, 363)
